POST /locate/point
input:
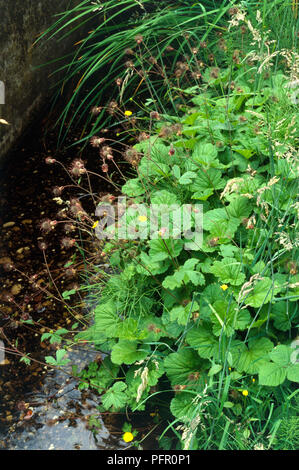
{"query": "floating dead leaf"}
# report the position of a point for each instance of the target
(29, 414)
(2, 121)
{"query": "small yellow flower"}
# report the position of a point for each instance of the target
(253, 379)
(245, 393)
(128, 113)
(95, 224)
(142, 218)
(224, 287)
(128, 437)
(229, 368)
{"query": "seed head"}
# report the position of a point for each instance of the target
(105, 151)
(143, 136)
(138, 38)
(222, 44)
(62, 214)
(213, 241)
(236, 57)
(42, 246)
(50, 160)
(96, 141)
(129, 64)
(132, 156)
(291, 267)
(69, 228)
(70, 272)
(96, 110)
(183, 66)
(112, 107)
(47, 225)
(165, 131)
(243, 29)
(67, 243)
(215, 72)
(57, 190)
(196, 75)
(233, 11)
(155, 115)
(76, 208)
(7, 297)
(77, 168)
(8, 266)
(129, 51)
(153, 60)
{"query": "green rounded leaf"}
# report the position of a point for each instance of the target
(228, 271)
(133, 187)
(128, 352)
(182, 407)
(179, 366)
(293, 372)
(272, 374)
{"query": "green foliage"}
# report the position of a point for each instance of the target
(287, 437)
(58, 361)
(201, 311)
(208, 324)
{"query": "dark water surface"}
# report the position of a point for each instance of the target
(40, 407)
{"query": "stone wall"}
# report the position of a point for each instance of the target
(27, 88)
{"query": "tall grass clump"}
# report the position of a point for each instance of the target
(202, 333)
(132, 47)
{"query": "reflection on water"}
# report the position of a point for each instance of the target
(59, 416)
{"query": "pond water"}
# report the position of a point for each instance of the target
(40, 407)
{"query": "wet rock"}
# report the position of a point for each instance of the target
(5, 259)
(16, 289)
(8, 224)
(26, 221)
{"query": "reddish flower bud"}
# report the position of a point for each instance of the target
(171, 151)
(50, 160)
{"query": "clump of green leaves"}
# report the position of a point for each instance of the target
(208, 327)
(211, 322)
